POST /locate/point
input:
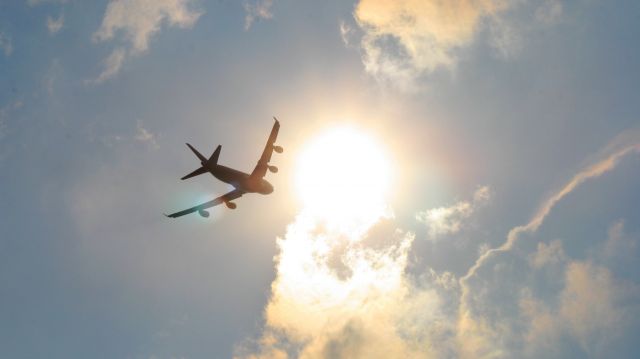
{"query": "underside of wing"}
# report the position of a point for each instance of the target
(226, 198)
(263, 164)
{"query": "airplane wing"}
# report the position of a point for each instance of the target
(263, 164)
(236, 193)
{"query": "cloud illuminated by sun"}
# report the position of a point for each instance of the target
(343, 175)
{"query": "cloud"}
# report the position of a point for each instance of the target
(111, 65)
(619, 245)
(346, 32)
(337, 294)
(591, 309)
(5, 44)
(55, 25)
(626, 143)
(138, 21)
(145, 136)
(505, 37)
(473, 332)
(359, 306)
(449, 220)
(406, 38)
(547, 254)
(259, 9)
(588, 303)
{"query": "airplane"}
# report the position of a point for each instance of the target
(242, 182)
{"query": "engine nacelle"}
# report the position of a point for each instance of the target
(231, 205)
(278, 149)
(203, 213)
(273, 169)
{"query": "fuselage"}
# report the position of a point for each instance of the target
(240, 180)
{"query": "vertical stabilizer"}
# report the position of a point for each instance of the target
(213, 160)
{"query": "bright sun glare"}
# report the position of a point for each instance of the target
(343, 174)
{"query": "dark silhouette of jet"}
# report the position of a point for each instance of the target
(242, 182)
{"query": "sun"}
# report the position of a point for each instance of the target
(343, 175)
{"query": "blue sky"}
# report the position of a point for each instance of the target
(512, 127)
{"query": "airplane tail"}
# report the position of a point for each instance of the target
(207, 164)
(214, 156)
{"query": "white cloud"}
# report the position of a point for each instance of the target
(55, 25)
(406, 38)
(337, 295)
(111, 65)
(590, 308)
(346, 32)
(449, 220)
(138, 21)
(258, 9)
(5, 44)
(619, 246)
(145, 136)
(547, 254)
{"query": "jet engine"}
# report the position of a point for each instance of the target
(231, 205)
(278, 149)
(203, 213)
(273, 169)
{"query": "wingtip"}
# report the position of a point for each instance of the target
(274, 117)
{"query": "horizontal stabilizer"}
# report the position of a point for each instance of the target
(198, 154)
(197, 172)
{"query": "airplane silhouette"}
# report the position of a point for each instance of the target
(242, 182)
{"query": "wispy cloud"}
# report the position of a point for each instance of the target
(55, 25)
(623, 145)
(345, 33)
(111, 65)
(258, 9)
(145, 136)
(474, 334)
(138, 21)
(449, 220)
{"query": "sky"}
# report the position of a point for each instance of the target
(479, 162)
